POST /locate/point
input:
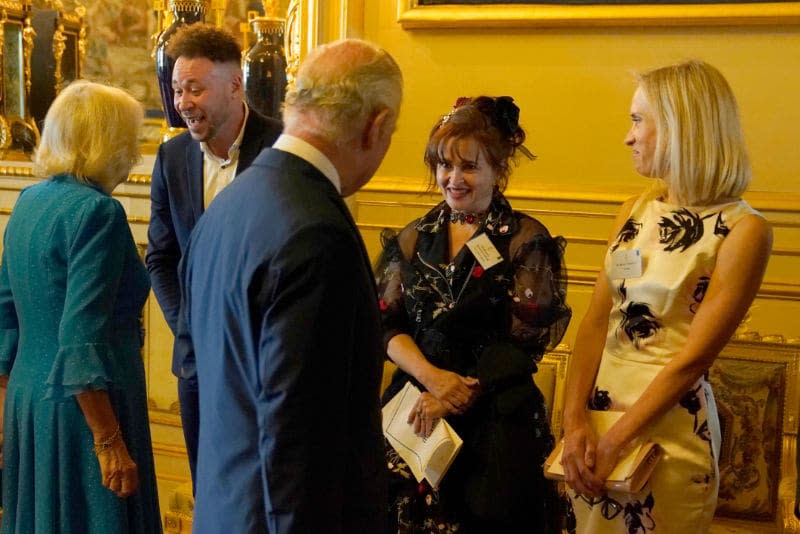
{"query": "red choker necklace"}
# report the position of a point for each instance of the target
(466, 217)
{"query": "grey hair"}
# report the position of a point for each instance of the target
(339, 87)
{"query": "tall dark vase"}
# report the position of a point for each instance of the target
(265, 67)
(184, 12)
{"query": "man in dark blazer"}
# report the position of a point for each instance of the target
(223, 139)
(285, 321)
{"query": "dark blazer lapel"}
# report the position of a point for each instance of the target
(194, 177)
(337, 199)
(254, 141)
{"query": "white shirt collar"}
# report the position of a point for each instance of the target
(304, 150)
(233, 151)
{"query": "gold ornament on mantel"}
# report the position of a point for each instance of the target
(218, 8)
(270, 8)
(269, 21)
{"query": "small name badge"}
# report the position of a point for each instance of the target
(626, 264)
(484, 251)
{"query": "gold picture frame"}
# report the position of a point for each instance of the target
(412, 15)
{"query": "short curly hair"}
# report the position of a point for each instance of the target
(204, 40)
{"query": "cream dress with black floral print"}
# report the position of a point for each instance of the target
(649, 323)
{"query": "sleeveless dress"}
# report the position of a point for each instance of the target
(72, 287)
(648, 325)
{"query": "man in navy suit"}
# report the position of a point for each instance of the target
(280, 301)
(224, 138)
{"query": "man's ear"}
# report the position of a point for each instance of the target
(374, 128)
(237, 83)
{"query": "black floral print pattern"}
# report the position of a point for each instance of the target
(720, 228)
(600, 401)
(638, 321)
(699, 293)
(568, 522)
(628, 232)
(638, 516)
(457, 312)
(691, 402)
(681, 230)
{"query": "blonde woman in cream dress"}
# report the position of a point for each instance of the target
(683, 265)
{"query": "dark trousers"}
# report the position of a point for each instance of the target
(190, 418)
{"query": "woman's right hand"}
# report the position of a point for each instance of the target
(455, 392)
(118, 470)
(578, 459)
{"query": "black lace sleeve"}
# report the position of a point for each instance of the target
(389, 280)
(540, 314)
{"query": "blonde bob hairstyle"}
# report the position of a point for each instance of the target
(339, 86)
(700, 149)
(90, 131)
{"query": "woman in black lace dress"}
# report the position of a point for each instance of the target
(472, 295)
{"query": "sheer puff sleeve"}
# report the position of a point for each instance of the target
(540, 314)
(389, 268)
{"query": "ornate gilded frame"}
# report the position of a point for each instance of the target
(411, 15)
(756, 388)
(17, 128)
(549, 378)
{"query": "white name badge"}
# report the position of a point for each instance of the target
(626, 264)
(484, 251)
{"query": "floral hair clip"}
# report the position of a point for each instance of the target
(460, 101)
(505, 117)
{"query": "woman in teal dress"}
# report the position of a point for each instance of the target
(77, 451)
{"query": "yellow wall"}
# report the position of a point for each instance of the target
(573, 86)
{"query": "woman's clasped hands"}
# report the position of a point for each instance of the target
(448, 393)
(587, 460)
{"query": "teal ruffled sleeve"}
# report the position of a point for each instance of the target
(95, 259)
(78, 368)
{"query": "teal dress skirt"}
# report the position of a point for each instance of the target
(72, 287)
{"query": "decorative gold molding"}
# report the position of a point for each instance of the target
(411, 15)
(160, 417)
(15, 6)
(59, 46)
(301, 34)
(139, 179)
(28, 34)
(177, 479)
(168, 449)
(773, 201)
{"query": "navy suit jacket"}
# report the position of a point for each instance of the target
(280, 301)
(176, 203)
